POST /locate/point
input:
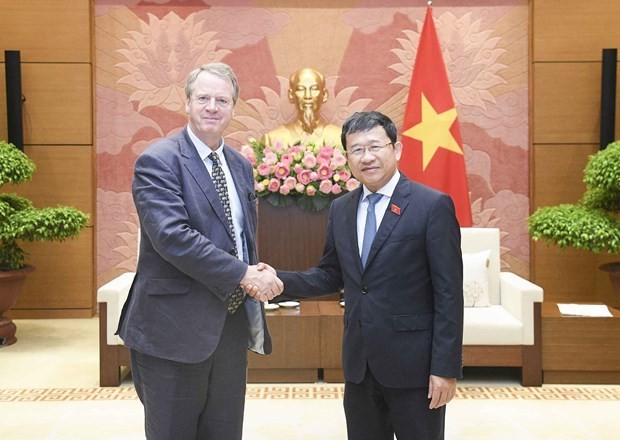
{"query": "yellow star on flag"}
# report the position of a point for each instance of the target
(434, 131)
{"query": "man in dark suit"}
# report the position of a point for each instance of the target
(403, 319)
(186, 320)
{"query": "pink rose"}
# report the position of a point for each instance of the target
(324, 172)
(352, 184)
(325, 186)
(282, 170)
(284, 190)
(338, 160)
(278, 146)
(259, 187)
(300, 188)
(270, 158)
(287, 158)
(298, 168)
(314, 176)
(323, 159)
(290, 182)
(248, 152)
(274, 185)
(310, 190)
(304, 177)
(326, 150)
(336, 189)
(309, 160)
(263, 169)
(344, 175)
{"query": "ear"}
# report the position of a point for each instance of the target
(291, 96)
(187, 106)
(325, 95)
(398, 149)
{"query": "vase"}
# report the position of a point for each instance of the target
(613, 269)
(11, 283)
(290, 238)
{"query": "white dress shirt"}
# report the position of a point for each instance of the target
(233, 196)
(380, 207)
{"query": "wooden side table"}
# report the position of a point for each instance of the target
(578, 349)
(331, 340)
(295, 336)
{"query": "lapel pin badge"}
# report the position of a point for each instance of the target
(395, 209)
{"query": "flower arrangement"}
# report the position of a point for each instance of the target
(310, 176)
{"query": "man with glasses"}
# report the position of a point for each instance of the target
(187, 321)
(395, 247)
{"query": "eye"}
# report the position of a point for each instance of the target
(357, 151)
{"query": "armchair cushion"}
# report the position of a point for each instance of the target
(476, 279)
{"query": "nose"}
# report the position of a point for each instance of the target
(367, 156)
(211, 105)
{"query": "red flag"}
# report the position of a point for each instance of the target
(432, 146)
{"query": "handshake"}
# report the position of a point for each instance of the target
(261, 282)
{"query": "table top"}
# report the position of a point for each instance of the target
(550, 310)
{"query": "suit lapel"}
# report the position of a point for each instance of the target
(198, 170)
(349, 223)
(236, 169)
(395, 210)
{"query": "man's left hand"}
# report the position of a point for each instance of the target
(441, 390)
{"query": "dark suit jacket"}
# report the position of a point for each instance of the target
(404, 312)
(178, 302)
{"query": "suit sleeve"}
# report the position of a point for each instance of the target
(446, 265)
(324, 279)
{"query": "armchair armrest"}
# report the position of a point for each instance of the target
(518, 296)
(114, 294)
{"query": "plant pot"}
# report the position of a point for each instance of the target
(11, 283)
(613, 269)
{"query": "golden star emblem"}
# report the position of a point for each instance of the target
(434, 131)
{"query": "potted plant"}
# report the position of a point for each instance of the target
(21, 221)
(592, 224)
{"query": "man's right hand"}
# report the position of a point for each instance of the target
(261, 284)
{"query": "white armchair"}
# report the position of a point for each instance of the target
(506, 332)
(113, 355)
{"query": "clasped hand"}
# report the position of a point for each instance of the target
(261, 282)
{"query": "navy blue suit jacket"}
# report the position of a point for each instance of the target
(186, 272)
(404, 312)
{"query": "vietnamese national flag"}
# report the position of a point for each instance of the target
(432, 146)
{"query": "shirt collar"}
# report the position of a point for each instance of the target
(388, 188)
(202, 148)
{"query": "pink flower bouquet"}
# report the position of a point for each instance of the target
(310, 176)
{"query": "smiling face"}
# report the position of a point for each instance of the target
(374, 170)
(209, 120)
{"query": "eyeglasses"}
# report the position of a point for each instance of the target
(360, 150)
(219, 101)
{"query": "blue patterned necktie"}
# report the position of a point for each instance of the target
(219, 179)
(370, 230)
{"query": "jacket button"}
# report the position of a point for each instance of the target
(364, 290)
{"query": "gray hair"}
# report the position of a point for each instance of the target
(221, 70)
